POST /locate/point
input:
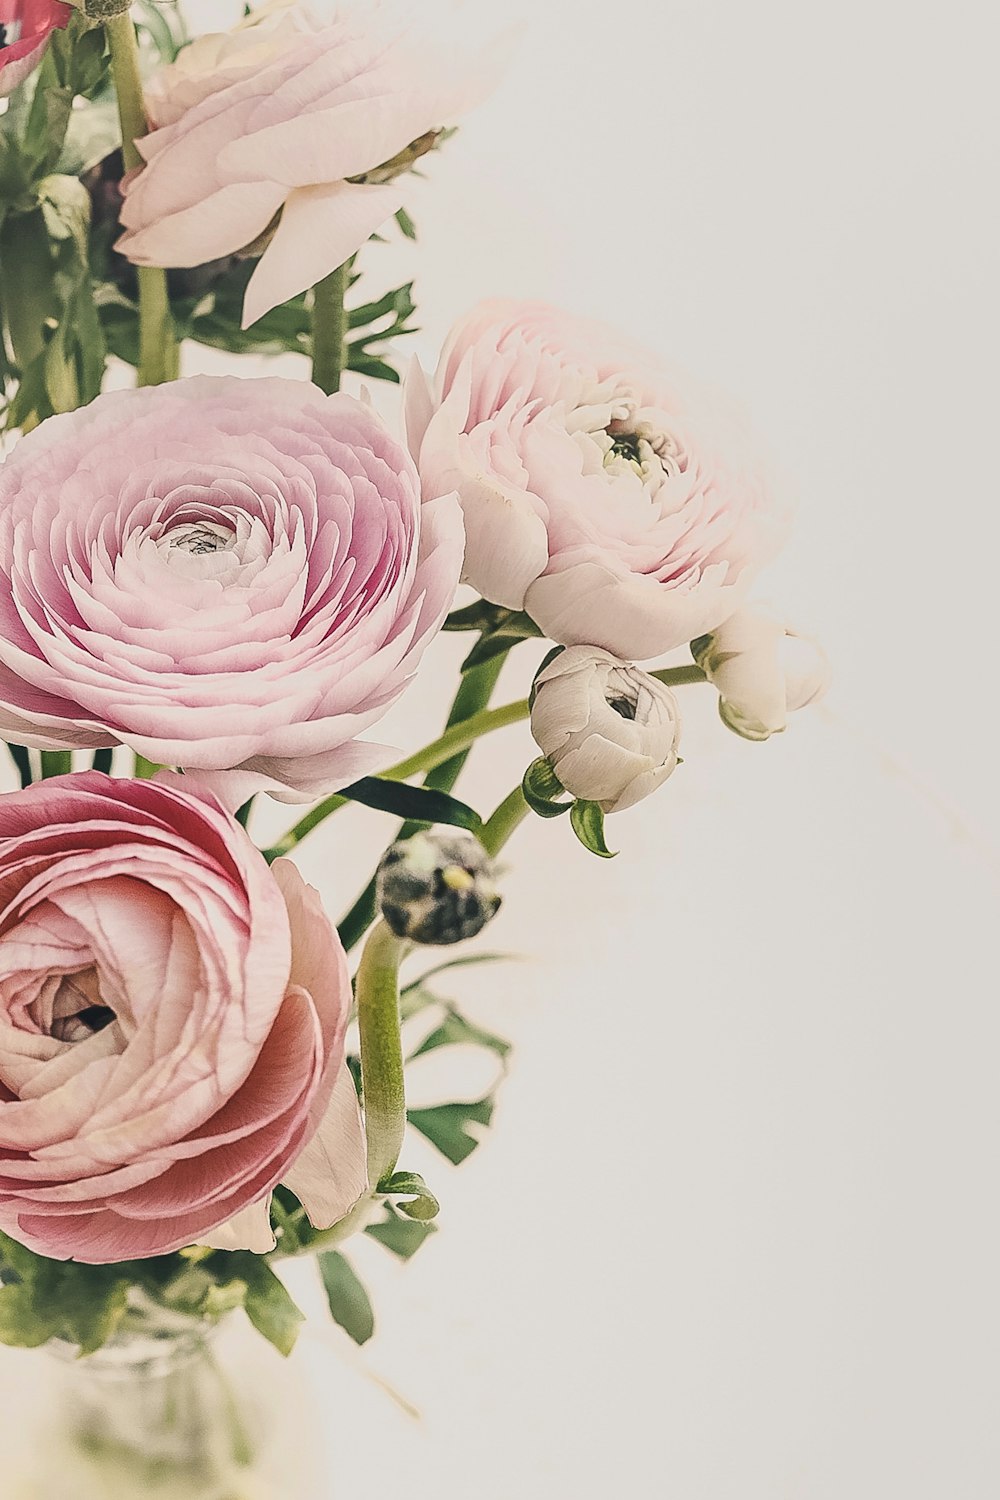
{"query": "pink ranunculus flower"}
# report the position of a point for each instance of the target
(232, 576)
(172, 1019)
(25, 28)
(617, 504)
(295, 113)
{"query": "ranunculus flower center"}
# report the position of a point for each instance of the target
(67, 1007)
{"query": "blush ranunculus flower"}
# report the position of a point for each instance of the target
(299, 114)
(619, 505)
(236, 577)
(25, 28)
(172, 1019)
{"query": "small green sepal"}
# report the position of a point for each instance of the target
(587, 819)
(541, 786)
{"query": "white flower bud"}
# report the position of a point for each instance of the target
(609, 731)
(764, 670)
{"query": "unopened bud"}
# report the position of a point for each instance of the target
(437, 887)
(764, 671)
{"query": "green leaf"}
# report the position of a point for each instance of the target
(505, 634)
(541, 786)
(349, 1302)
(410, 1185)
(465, 962)
(456, 1031)
(406, 224)
(417, 803)
(445, 1126)
(480, 616)
(587, 819)
(269, 1306)
(404, 1237)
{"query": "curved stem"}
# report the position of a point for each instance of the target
(505, 822)
(473, 695)
(329, 330)
(460, 737)
(158, 358)
(382, 1086)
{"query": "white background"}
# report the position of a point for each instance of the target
(735, 1235)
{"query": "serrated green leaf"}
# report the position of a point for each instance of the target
(465, 962)
(404, 1237)
(268, 1304)
(587, 819)
(456, 1031)
(406, 224)
(421, 1203)
(349, 1302)
(445, 1126)
(420, 804)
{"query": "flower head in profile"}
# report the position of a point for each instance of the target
(618, 504)
(25, 28)
(172, 1021)
(300, 115)
(764, 670)
(236, 577)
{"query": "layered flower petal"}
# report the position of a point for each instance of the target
(616, 503)
(233, 576)
(305, 114)
(172, 1019)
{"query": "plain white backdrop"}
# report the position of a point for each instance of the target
(735, 1235)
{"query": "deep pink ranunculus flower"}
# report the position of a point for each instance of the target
(172, 1018)
(25, 27)
(618, 502)
(236, 577)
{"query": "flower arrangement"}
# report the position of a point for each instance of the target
(213, 589)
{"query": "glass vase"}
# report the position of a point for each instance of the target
(172, 1408)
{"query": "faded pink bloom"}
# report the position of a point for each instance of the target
(293, 113)
(232, 576)
(25, 28)
(172, 1018)
(617, 504)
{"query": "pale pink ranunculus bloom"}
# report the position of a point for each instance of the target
(620, 505)
(283, 115)
(236, 577)
(25, 28)
(172, 1020)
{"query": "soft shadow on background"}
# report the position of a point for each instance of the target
(735, 1235)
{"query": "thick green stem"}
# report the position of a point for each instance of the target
(158, 356)
(382, 1084)
(56, 763)
(505, 821)
(329, 330)
(145, 769)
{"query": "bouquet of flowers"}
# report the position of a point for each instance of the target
(213, 589)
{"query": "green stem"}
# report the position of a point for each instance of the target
(505, 821)
(382, 1084)
(22, 760)
(473, 695)
(460, 737)
(145, 769)
(329, 329)
(56, 763)
(158, 355)
(454, 740)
